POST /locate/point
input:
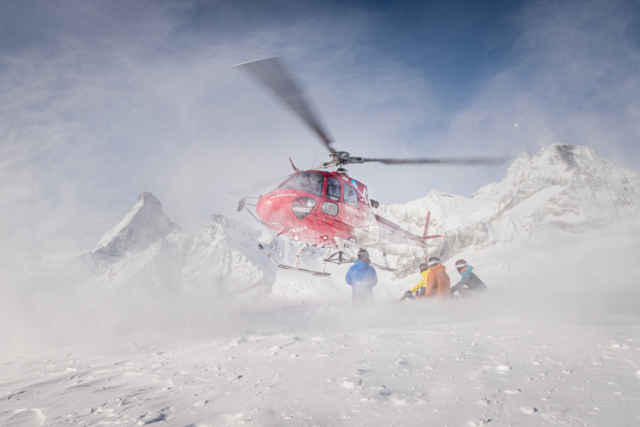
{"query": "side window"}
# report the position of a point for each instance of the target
(333, 189)
(330, 208)
(350, 195)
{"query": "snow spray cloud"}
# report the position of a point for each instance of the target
(557, 278)
(103, 100)
(584, 280)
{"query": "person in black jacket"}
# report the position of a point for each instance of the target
(469, 283)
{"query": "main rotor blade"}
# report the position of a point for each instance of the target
(461, 161)
(273, 73)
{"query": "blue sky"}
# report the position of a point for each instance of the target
(102, 100)
(455, 44)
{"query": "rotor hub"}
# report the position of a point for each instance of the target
(342, 171)
(339, 157)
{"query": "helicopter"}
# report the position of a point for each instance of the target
(327, 208)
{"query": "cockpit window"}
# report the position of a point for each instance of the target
(289, 184)
(350, 195)
(311, 182)
(333, 189)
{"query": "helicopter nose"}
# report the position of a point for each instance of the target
(267, 210)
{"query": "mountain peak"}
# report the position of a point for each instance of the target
(568, 153)
(562, 187)
(145, 223)
(571, 156)
(148, 198)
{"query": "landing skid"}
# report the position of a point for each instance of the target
(338, 257)
(295, 267)
(383, 267)
(341, 257)
(346, 246)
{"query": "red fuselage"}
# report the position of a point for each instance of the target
(315, 207)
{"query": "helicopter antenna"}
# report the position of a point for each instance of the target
(294, 166)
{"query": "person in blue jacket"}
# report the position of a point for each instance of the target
(469, 283)
(362, 278)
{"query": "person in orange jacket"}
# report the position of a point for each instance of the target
(438, 282)
(435, 281)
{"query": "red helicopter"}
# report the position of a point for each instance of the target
(329, 209)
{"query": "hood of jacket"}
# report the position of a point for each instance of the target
(467, 270)
(360, 265)
(440, 268)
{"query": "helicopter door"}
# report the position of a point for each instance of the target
(331, 207)
(364, 207)
(350, 211)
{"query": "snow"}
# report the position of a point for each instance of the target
(463, 362)
(200, 330)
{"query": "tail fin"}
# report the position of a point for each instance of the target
(426, 226)
(425, 234)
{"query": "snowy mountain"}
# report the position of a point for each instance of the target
(225, 254)
(145, 223)
(563, 187)
(146, 249)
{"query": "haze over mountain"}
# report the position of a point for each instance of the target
(564, 188)
(146, 247)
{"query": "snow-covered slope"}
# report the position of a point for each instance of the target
(563, 187)
(563, 351)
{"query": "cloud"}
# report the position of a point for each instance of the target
(102, 100)
(572, 78)
(125, 100)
